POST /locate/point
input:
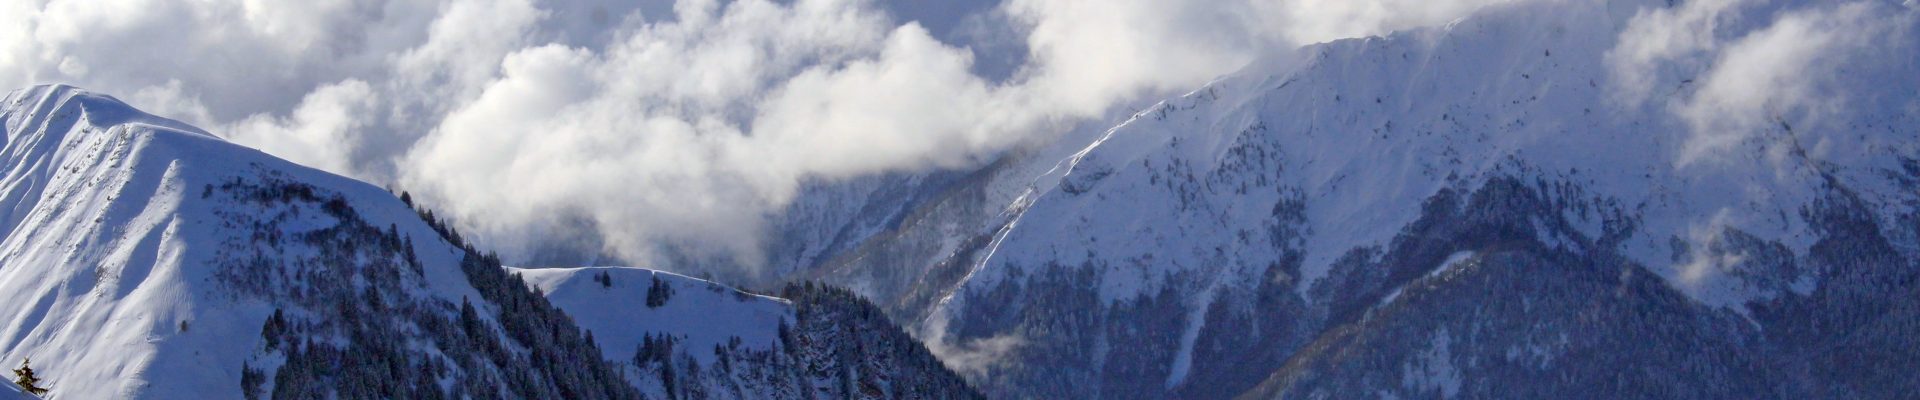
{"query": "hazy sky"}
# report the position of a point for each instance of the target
(691, 121)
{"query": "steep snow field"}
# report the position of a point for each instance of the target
(1305, 170)
(111, 249)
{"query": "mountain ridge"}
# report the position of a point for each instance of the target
(157, 260)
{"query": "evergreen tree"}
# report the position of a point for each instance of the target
(251, 381)
(27, 380)
(658, 292)
(274, 328)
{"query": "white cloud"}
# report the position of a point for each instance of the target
(646, 139)
(678, 130)
(1705, 260)
(1308, 21)
(1736, 80)
(1778, 70)
(172, 100)
(323, 132)
(1657, 37)
(972, 357)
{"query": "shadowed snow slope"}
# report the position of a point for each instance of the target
(8, 391)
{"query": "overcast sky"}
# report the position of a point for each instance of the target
(692, 120)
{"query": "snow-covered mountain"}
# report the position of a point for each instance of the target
(143, 258)
(1458, 211)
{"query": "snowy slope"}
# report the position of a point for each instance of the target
(1369, 128)
(680, 337)
(1209, 240)
(701, 314)
(103, 243)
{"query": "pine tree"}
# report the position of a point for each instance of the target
(658, 292)
(27, 380)
(274, 328)
(251, 381)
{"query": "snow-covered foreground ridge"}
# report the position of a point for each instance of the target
(144, 258)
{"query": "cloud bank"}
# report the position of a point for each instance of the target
(656, 124)
(1735, 71)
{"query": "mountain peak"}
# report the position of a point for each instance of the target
(45, 104)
